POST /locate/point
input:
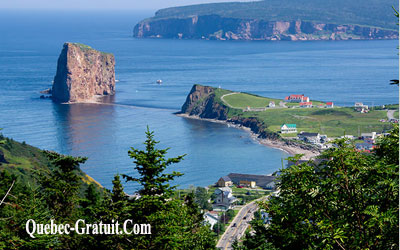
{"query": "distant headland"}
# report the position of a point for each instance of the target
(294, 124)
(274, 20)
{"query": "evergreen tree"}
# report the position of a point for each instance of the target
(349, 201)
(151, 164)
(61, 186)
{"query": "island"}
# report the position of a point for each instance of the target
(296, 123)
(82, 74)
(274, 20)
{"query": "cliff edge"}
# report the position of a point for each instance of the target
(202, 102)
(82, 74)
(274, 20)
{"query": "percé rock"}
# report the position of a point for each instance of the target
(201, 102)
(82, 74)
(215, 27)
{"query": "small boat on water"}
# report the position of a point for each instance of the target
(159, 81)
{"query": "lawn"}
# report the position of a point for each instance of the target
(332, 122)
(243, 100)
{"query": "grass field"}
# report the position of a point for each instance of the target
(242, 100)
(333, 122)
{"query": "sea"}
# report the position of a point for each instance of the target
(30, 42)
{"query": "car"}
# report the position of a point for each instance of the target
(244, 217)
(234, 225)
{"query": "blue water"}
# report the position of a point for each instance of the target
(30, 42)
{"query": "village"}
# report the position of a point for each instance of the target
(364, 141)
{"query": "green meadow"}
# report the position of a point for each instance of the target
(333, 122)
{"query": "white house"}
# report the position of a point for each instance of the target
(271, 104)
(329, 105)
(360, 107)
(288, 128)
(224, 198)
(211, 218)
(297, 98)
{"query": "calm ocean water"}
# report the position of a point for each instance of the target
(30, 42)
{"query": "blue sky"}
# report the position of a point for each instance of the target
(101, 4)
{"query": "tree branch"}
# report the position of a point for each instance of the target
(7, 192)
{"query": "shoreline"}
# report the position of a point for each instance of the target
(277, 144)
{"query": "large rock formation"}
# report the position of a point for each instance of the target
(82, 74)
(201, 102)
(214, 27)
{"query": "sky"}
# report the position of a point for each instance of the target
(102, 4)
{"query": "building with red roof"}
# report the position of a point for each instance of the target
(297, 98)
(306, 104)
(329, 104)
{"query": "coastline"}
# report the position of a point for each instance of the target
(277, 144)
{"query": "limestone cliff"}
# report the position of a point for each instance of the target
(82, 74)
(215, 27)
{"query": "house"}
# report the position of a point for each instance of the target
(365, 136)
(321, 105)
(263, 181)
(297, 98)
(360, 107)
(309, 137)
(358, 104)
(271, 104)
(288, 128)
(364, 146)
(245, 183)
(224, 198)
(329, 105)
(305, 104)
(224, 181)
(211, 218)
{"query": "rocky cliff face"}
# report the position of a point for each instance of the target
(223, 28)
(82, 74)
(201, 102)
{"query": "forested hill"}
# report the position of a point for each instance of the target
(27, 163)
(229, 17)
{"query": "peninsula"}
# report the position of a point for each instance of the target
(295, 124)
(274, 20)
(82, 74)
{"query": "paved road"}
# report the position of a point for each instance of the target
(238, 226)
(390, 114)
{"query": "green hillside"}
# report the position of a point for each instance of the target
(376, 13)
(26, 162)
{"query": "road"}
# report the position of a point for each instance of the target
(390, 114)
(241, 224)
(222, 98)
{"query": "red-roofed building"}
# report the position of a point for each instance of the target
(329, 104)
(306, 104)
(297, 98)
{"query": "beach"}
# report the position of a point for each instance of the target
(278, 144)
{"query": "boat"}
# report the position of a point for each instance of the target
(159, 81)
